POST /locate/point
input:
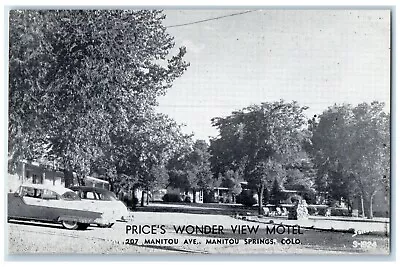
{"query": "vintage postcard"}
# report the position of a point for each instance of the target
(204, 131)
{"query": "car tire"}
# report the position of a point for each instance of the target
(70, 225)
(83, 226)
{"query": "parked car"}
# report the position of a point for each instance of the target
(104, 198)
(54, 204)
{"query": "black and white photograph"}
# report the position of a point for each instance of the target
(203, 131)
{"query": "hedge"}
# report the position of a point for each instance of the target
(172, 197)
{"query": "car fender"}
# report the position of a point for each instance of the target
(76, 219)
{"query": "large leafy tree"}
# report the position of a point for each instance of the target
(351, 145)
(276, 195)
(147, 149)
(192, 170)
(328, 132)
(81, 79)
(137, 158)
(231, 180)
(199, 168)
(264, 140)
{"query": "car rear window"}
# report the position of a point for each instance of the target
(31, 192)
(95, 194)
(49, 195)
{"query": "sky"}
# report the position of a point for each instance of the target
(315, 57)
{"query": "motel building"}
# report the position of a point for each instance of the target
(46, 174)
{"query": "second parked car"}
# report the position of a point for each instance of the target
(104, 198)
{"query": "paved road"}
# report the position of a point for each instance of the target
(156, 233)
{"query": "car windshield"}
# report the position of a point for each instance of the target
(106, 195)
(70, 196)
(109, 196)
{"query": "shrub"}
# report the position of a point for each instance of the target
(318, 210)
(130, 202)
(295, 199)
(340, 212)
(134, 202)
(310, 196)
(172, 197)
(312, 210)
(324, 210)
(246, 198)
(210, 199)
(188, 199)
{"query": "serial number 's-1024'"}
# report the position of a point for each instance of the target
(364, 244)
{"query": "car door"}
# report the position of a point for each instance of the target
(52, 204)
(90, 198)
(68, 205)
(27, 203)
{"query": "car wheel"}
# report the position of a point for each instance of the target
(70, 225)
(83, 226)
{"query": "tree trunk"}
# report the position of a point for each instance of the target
(362, 206)
(81, 180)
(68, 178)
(118, 194)
(134, 198)
(369, 210)
(142, 199)
(147, 197)
(260, 200)
(23, 173)
(349, 205)
(111, 183)
(194, 196)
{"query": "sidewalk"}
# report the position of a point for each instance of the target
(359, 226)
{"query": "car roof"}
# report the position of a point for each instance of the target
(58, 189)
(90, 189)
